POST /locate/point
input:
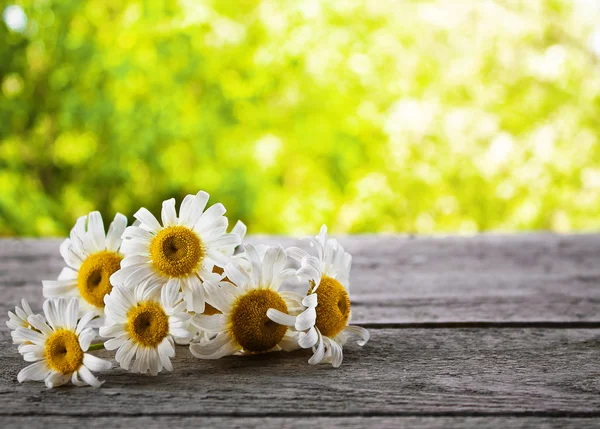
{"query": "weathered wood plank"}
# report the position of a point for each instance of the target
(458, 372)
(523, 278)
(172, 422)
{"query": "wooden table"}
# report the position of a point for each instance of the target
(485, 331)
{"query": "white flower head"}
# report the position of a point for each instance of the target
(92, 257)
(182, 251)
(325, 321)
(58, 344)
(144, 322)
(18, 319)
(255, 316)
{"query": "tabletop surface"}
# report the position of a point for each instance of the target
(484, 331)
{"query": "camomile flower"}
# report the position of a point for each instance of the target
(145, 319)
(92, 256)
(325, 320)
(58, 346)
(244, 324)
(18, 319)
(182, 251)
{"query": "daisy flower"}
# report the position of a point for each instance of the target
(182, 251)
(245, 324)
(145, 320)
(91, 256)
(18, 319)
(325, 320)
(58, 345)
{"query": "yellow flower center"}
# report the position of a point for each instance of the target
(93, 279)
(333, 308)
(176, 251)
(147, 324)
(251, 327)
(63, 352)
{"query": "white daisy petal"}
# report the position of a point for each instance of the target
(67, 274)
(85, 338)
(319, 353)
(126, 353)
(255, 261)
(216, 348)
(137, 233)
(88, 377)
(165, 352)
(95, 364)
(37, 372)
(71, 314)
(184, 210)
(32, 352)
(115, 231)
(96, 228)
(306, 319)
(115, 343)
(153, 361)
(357, 332)
(76, 381)
(237, 274)
(296, 253)
(220, 299)
(29, 335)
(57, 288)
(280, 317)
(336, 353)
(240, 230)
(224, 240)
(134, 247)
(217, 256)
(138, 260)
(194, 294)
(70, 257)
(38, 322)
(168, 213)
(85, 319)
(310, 300)
(267, 265)
(115, 330)
(147, 219)
(196, 208)
(169, 293)
(214, 323)
(309, 273)
(209, 217)
(308, 339)
(56, 379)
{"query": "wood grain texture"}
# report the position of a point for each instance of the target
(400, 372)
(173, 422)
(400, 280)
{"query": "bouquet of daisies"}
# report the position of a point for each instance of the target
(183, 280)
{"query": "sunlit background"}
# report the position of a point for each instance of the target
(370, 116)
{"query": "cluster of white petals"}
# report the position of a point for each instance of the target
(183, 280)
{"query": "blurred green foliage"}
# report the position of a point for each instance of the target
(411, 116)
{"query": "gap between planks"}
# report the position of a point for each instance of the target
(460, 372)
(147, 422)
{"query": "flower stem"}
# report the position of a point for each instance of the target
(99, 346)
